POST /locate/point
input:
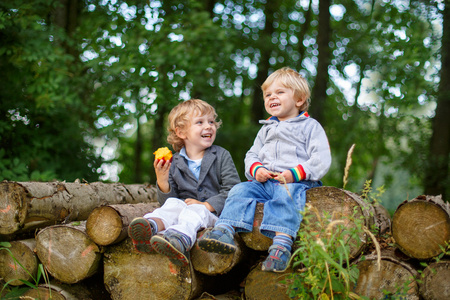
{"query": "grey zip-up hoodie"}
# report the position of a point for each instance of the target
(298, 144)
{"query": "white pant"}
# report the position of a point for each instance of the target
(187, 219)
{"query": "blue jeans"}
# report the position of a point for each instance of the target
(281, 212)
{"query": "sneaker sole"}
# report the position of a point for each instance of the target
(165, 248)
(215, 246)
(140, 233)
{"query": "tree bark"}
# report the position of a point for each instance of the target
(262, 285)
(108, 224)
(23, 252)
(25, 206)
(421, 226)
(437, 179)
(396, 274)
(321, 82)
(67, 252)
(435, 284)
(266, 47)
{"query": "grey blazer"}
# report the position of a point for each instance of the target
(218, 175)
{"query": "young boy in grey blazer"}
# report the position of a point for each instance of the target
(192, 188)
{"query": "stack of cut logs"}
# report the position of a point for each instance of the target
(78, 233)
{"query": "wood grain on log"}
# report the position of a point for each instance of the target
(262, 285)
(21, 252)
(395, 275)
(421, 226)
(25, 206)
(67, 252)
(129, 274)
(212, 263)
(255, 239)
(435, 284)
(338, 204)
(108, 224)
(56, 291)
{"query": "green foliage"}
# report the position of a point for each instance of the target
(43, 127)
(127, 62)
(322, 261)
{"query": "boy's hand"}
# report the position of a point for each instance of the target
(162, 168)
(285, 177)
(262, 175)
(190, 201)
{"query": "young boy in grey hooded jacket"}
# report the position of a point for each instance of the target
(291, 148)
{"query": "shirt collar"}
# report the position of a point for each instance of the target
(276, 119)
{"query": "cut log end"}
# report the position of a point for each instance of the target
(262, 285)
(255, 239)
(67, 252)
(104, 225)
(210, 263)
(435, 284)
(22, 252)
(132, 275)
(395, 275)
(421, 228)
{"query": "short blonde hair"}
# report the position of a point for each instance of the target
(292, 80)
(180, 117)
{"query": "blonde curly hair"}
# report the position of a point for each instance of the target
(180, 117)
(291, 79)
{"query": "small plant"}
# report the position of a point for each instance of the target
(16, 291)
(321, 264)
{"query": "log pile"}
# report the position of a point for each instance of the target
(80, 238)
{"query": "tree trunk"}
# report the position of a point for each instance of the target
(108, 224)
(337, 204)
(319, 93)
(420, 227)
(266, 47)
(262, 285)
(437, 179)
(129, 274)
(138, 149)
(435, 284)
(67, 252)
(396, 275)
(25, 206)
(215, 264)
(23, 252)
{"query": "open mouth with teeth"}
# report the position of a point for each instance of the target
(274, 105)
(209, 135)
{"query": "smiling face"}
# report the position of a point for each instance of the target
(199, 135)
(280, 101)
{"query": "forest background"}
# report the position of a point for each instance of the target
(86, 85)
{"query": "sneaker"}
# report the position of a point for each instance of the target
(171, 245)
(217, 240)
(140, 231)
(277, 260)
